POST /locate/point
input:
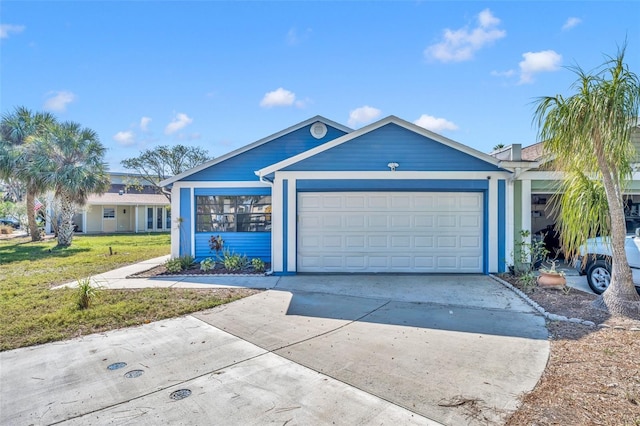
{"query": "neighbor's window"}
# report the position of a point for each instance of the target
(108, 213)
(227, 213)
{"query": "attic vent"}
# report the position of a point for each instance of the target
(318, 130)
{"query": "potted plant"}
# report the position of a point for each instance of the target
(551, 277)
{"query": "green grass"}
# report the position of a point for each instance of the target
(31, 313)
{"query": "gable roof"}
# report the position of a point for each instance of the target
(370, 128)
(255, 144)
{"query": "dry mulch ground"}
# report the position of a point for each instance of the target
(593, 373)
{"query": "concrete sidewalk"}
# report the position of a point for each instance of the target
(117, 279)
(345, 350)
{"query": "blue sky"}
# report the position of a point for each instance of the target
(221, 75)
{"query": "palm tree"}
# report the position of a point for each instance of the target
(588, 137)
(71, 161)
(17, 130)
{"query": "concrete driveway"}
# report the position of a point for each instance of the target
(314, 350)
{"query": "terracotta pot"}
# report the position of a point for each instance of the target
(551, 280)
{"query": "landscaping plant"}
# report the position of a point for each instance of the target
(85, 293)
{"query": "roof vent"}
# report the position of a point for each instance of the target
(318, 130)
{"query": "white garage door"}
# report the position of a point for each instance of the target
(390, 232)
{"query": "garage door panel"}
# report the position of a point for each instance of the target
(401, 221)
(470, 242)
(423, 242)
(447, 221)
(388, 232)
(378, 221)
(378, 241)
(423, 221)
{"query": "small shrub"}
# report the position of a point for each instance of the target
(234, 261)
(186, 261)
(258, 264)
(528, 281)
(5, 229)
(173, 265)
(216, 244)
(85, 294)
(207, 264)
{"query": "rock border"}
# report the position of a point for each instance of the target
(554, 317)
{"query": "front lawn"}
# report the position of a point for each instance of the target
(32, 313)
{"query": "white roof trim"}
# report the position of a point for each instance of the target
(371, 127)
(254, 145)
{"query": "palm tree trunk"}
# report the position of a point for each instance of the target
(621, 296)
(65, 228)
(31, 215)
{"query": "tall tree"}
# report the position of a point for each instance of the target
(17, 131)
(71, 160)
(162, 162)
(588, 136)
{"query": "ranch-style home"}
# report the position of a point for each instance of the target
(130, 205)
(390, 197)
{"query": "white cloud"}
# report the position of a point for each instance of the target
(125, 138)
(460, 45)
(571, 22)
(508, 73)
(7, 29)
(58, 101)
(536, 62)
(363, 115)
(435, 124)
(279, 97)
(144, 123)
(180, 121)
(295, 38)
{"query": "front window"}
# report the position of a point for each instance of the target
(159, 218)
(227, 213)
(109, 213)
(149, 217)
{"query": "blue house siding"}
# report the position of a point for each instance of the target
(243, 166)
(251, 244)
(185, 225)
(392, 143)
(466, 185)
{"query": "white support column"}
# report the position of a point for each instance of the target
(277, 246)
(292, 203)
(135, 220)
(510, 218)
(175, 228)
(493, 225)
(193, 221)
(84, 220)
(526, 207)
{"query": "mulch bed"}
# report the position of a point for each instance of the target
(593, 373)
(161, 271)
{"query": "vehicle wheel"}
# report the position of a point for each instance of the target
(599, 276)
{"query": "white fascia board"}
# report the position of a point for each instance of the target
(388, 175)
(221, 184)
(519, 164)
(538, 175)
(371, 127)
(254, 145)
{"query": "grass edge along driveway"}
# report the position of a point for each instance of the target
(31, 313)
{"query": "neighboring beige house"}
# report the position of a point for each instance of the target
(131, 204)
(534, 184)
